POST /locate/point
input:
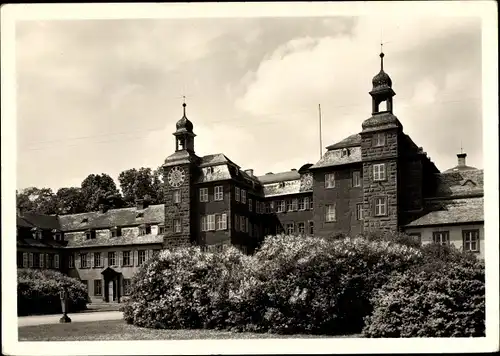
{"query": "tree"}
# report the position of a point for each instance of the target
(37, 200)
(98, 189)
(70, 201)
(138, 184)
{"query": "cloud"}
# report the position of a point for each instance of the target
(337, 72)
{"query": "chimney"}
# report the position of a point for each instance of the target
(103, 208)
(461, 159)
(139, 204)
(249, 172)
(294, 169)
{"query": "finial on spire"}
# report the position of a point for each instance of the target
(184, 105)
(381, 56)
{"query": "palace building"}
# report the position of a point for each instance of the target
(376, 179)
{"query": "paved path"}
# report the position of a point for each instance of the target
(76, 317)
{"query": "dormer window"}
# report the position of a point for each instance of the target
(344, 152)
(144, 230)
(85, 220)
(281, 184)
(210, 170)
(37, 233)
(140, 215)
(90, 234)
(116, 231)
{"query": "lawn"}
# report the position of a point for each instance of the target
(119, 330)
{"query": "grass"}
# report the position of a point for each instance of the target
(119, 330)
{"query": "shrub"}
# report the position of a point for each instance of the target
(312, 285)
(38, 292)
(426, 302)
(184, 288)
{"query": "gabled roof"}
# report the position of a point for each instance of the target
(467, 210)
(335, 157)
(279, 177)
(82, 241)
(350, 141)
(45, 222)
(215, 159)
(460, 183)
(113, 217)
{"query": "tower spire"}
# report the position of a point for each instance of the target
(184, 106)
(381, 56)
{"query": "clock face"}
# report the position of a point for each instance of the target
(308, 181)
(176, 177)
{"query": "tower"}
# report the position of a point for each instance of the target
(180, 170)
(379, 153)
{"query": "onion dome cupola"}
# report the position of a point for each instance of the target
(382, 90)
(184, 135)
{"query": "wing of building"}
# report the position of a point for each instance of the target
(377, 178)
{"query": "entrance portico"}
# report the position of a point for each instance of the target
(112, 285)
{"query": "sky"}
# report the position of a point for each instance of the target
(103, 96)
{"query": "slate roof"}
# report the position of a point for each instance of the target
(285, 188)
(46, 222)
(82, 241)
(23, 223)
(113, 217)
(218, 158)
(46, 243)
(350, 141)
(334, 157)
(461, 183)
(279, 177)
(453, 211)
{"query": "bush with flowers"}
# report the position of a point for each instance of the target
(442, 297)
(38, 292)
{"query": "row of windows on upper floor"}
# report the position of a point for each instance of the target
(37, 260)
(114, 259)
(470, 238)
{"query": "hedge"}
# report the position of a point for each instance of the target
(291, 285)
(442, 299)
(38, 292)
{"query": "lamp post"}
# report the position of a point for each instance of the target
(64, 304)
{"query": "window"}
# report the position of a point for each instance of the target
(97, 259)
(243, 226)
(379, 171)
(219, 193)
(441, 237)
(237, 194)
(84, 260)
(471, 240)
(380, 206)
(203, 194)
(161, 229)
(243, 196)
(359, 211)
(30, 260)
(19, 259)
(311, 227)
(236, 223)
(344, 152)
(116, 231)
(330, 212)
(330, 180)
(210, 222)
(379, 139)
(416, 235)
(250, 204)
(177, 225)
(280, 206)
(50, 260)
(142, 257)
(301, 227)
(126, 286)
(88, 235)
(295, 204)
(126, 258)
(222, 222)
(356, 179)
(268, 207)
(289, 206)
(41, 259)
(290, 228)
(302, 205)
(204, 223)
(177, 196)
(257, 208)
(71, 261)
(97, 287)
(111, 258)
(311, 205)
(57, 236)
